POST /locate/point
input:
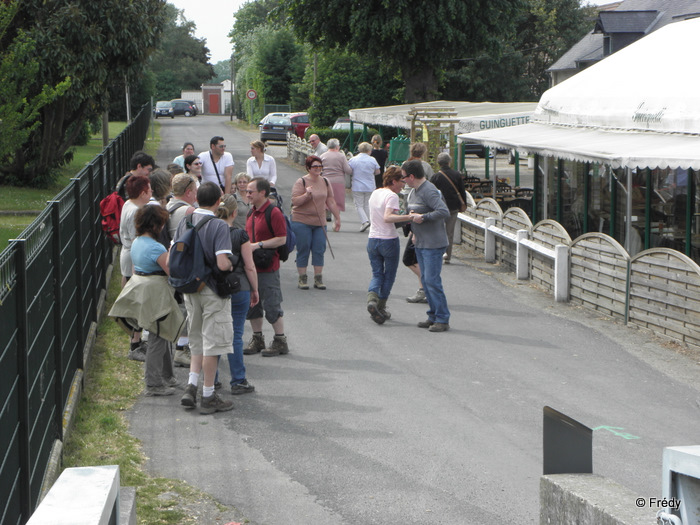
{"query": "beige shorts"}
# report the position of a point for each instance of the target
(209, 323)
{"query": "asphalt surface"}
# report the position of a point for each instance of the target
(391, 424)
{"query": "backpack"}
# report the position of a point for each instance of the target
(164, 238)
(189, 270)
(288, 247)
(111, 211)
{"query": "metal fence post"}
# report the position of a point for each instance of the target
(80, 315)
(22, 379)
(58, 311)
(561, 273)
(521, 256)
(489, 241)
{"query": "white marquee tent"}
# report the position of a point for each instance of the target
(638, 108)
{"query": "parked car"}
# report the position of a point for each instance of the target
(184, 107)
(164, 108)
(342, 123)
(275, 128)
(300, 123)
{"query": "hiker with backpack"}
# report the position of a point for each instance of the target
(265, 241)
(310, 196)
(202, 245)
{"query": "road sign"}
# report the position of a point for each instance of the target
(251, 94)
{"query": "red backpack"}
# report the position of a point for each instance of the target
(111, 211)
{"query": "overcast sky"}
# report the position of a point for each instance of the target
(214, 20)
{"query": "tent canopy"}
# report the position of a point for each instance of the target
(471, 116)
(640, 107)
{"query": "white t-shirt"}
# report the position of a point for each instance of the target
(208, 173)
(379, 201)
(268, 169)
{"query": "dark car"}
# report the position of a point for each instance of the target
(275, 128)
(184, 107)
(300, 123)
(164, 108)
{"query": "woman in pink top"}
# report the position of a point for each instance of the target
(383, 246)
(310, 196)
(335, 169)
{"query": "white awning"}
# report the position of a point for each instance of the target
(472, 116)
(619, 149)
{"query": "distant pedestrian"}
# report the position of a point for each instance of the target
(379, 153)
(217, 164)
(319, 147)
(260, 164)
(451, 185)
(336, 169)
(187, 150)
(364, 168)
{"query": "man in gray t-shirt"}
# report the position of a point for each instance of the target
(429, 212)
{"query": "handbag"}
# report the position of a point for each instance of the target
(262, 257)
(409, 254)
(462, 206)
(227, 283)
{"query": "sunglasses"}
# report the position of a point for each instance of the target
(317, 166)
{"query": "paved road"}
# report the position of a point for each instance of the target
(391, 424)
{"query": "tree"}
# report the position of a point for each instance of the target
(545, 30)
(415, 38)
(92, 43)
(222, 71)
(19, 114)
(181, 62)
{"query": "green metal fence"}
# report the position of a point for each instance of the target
(51, 279)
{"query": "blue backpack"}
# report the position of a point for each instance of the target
(291, 243)
(188, 267)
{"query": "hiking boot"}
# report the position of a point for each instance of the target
(218, 385)
(213, 403)
(419, 297)
(381, 305)
(303, 282)
(138, 353)
(373, 308)
(171, 381)
(189, 398)
(244, 387)
(182, 356)
(439, 327)
(160, 390)
(278, 346)
(256, 344)
(426, 324)
(318, 282)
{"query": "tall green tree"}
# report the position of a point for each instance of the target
(92, 43)
(418, 39)
(181, 61)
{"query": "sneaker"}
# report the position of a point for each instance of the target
(426, 324)
(161, 390)
(244, 387)
(419, 297)
(189, 399)
(278, 346)
(364, 226)
(303, 282)
(439, 327)
(318, 282)
(182, 356)
(214, 403)
(256, 344)
(171, 381)
(138, 354)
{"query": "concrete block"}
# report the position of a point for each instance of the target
(589, 499)
(127, 506)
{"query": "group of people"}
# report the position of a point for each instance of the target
(226, 213)
(241, 226)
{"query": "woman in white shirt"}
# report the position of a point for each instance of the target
(261, 164)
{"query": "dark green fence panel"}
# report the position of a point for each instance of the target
(51, 280)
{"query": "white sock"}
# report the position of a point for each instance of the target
(208, 391)
(194, 378)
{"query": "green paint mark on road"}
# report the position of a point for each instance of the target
(617, 432)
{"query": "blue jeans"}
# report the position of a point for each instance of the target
(430, 262)
(384, 257)
(310, 239)
(239, 308)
